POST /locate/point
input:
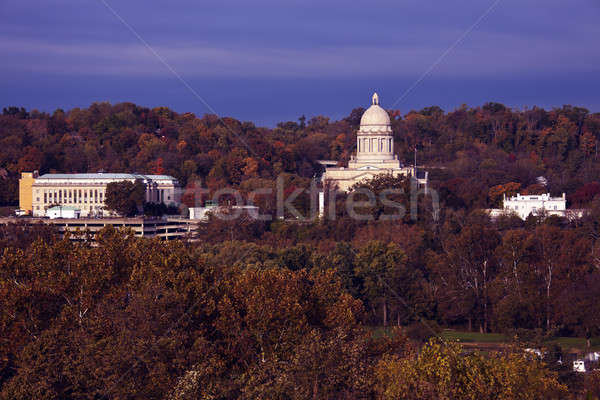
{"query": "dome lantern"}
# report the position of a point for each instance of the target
(375, 119)
(375, 99)
(374, 139)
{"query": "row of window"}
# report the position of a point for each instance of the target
(374, 144)
(60, 196)
(532, 208)
(84, 196)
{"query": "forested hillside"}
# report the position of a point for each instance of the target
(288, 308)
(479, 148)
(142, 319)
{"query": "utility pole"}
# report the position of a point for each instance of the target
(415, 161)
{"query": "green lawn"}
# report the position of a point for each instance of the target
(469, 337)
(566, 343)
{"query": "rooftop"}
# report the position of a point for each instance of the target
(103, 175)
(535, 197)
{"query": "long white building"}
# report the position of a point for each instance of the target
(87, 192)
(535, 204)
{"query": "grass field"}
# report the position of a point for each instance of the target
(476, 337)
(473, 339)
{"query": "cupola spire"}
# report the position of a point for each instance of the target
(375, 99)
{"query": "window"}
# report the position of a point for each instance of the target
(555, 207)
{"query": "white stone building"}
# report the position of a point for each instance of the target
(63, 212)
(536, 204)
(87, 191)
(374, 153)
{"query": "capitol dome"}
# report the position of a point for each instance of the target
(375, 119)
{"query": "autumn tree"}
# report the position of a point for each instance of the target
(125, 197)
(442, 370)
(467, 267)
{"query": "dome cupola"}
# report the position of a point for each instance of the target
(375, 120)
(374, 139)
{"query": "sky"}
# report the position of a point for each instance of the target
(268, 61)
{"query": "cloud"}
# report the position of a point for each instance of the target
(482, 54)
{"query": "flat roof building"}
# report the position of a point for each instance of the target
(87, 191)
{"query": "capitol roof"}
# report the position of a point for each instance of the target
(375, 115)
(375, 118)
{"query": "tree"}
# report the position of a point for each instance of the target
(467, 268)
(548, 245)
(386, 280)
(125, 197)
(443, 371)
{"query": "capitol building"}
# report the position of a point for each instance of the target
(374, 153)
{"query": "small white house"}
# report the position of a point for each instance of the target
(579, 366)
(63, 212)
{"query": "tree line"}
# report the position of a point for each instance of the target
(137, 318)
(471, 152)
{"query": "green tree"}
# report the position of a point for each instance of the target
(386, 280)
(443, 371)
(125, 197)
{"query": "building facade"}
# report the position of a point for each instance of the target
(25, 191)
(374, 153)
(87, 192)
(63, 212)
(524, 205)
(537, 204)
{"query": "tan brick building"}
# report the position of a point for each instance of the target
(87, 191)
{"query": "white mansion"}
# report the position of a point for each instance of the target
(525, 205)
(374, 153)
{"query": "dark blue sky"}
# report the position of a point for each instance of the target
(270, 61)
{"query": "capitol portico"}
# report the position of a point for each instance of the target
(374, 153)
